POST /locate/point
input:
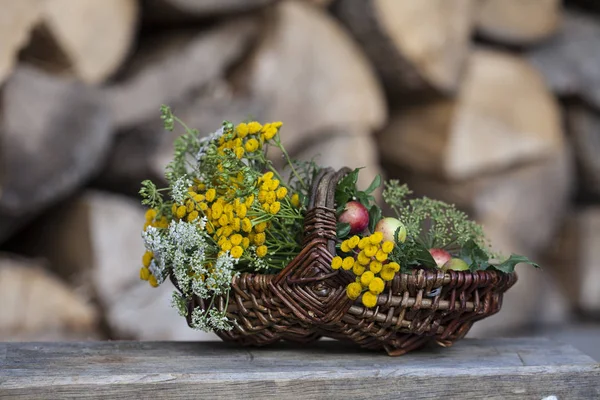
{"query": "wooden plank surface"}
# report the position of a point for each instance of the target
(472, 369)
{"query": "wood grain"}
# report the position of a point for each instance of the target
(473, 369)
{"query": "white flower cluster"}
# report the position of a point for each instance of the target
(182, 250)
(211, 319)
(180, 189)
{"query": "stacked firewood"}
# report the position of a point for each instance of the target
(493, 105)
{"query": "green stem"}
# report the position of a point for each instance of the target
(289, 161)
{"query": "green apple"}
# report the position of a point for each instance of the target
(456, 264)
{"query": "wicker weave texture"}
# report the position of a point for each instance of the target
(307, 300)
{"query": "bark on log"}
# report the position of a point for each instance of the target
(172, 66)
(54, 135)
(584, 130)
(310, 75)
(518, 22)
(502, 116)
(37, 306)
(568, 61)
(168, 12)
(17, 20)
(88, 39)
(414, 45)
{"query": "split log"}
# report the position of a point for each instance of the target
(173, 66)
(518, 22)
(414, 45)
(37, 306)
(566, 61)
(16, 23)
(502, 116)
(88, 39)
(161, 12)
(584, 130)
(54, 134)
(94, 242)
(310, 75)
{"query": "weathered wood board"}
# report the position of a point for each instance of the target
(472, 369)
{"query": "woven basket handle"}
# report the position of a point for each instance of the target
(320, 218)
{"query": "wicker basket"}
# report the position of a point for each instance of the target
(307, 299)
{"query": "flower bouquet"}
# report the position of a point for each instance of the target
(259, 255)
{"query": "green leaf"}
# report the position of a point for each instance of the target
(423, 256)
(342, 230)
(508, 266)
(374, 217)
(363, 199)
(374, 185)
(346, 189)
(474, 256)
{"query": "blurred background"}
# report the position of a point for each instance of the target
(493, 105)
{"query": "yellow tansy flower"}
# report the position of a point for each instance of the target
(353, 241)
(226, 245)
(254, 127)
(237, 251)
(281, 193)
(274, 184)
(271, 197)
(260, 227)
(242, 130)
(363, 259)
(369, 299)
(275, 207)
(376, 238)
(152, 280)
(150, 215)
(353, 290)
(147, 258)
(387, 273)
(261, 251)
(358, 269)
(348, 263)
(144, 273)
(336, 263)
(217, 210)
(295, 200)
(211, 194)
(362, 243)
(249, 200)
(376, 285)
(259, 239)
(239, 152)
(262, 196)
(192, 216)
(236, 239)
(246, 225)
(370, 250)
(236, 224)
(375, 267)
(387, 247)
(366, 278)
(381, 256)
(181, 210)
(344, 247)
(395, 266)
(245, 242)
(223, 220)
(241, 211)
(251, 145)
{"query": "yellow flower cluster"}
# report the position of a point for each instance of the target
(151, 220)
(248, 137)
(369, 262)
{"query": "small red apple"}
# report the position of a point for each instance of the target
(388, 226)
(440, 256)
(356, 215)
